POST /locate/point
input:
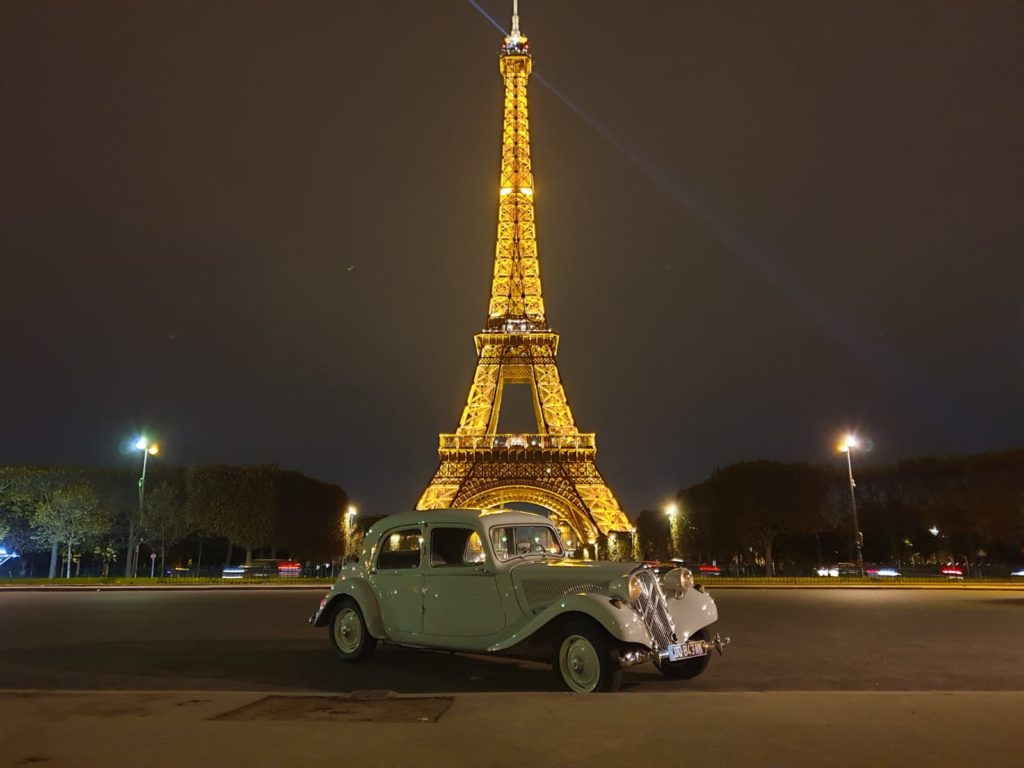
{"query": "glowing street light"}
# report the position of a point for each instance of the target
(847, 446)
(934, 530)
(148, 449)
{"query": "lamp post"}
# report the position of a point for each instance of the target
(148, 449)
(847, 446)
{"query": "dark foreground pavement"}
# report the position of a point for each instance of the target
(162, 729)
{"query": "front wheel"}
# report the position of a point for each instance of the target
(586, 659)
(348, 633)
(686, 669)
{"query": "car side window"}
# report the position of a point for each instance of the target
(455, 546)
(400, 549)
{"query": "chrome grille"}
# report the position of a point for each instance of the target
(540, 591)
(653, 609)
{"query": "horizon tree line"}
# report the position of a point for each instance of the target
(86, 512)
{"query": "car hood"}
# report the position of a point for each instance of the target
(538, 583)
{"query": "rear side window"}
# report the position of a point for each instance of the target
(400, 549)
(455, 546)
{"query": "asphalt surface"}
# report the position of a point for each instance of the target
(793, 640)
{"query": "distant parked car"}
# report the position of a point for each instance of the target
(498, 582)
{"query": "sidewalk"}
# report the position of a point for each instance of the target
(719, 730)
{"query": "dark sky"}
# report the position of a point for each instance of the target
(264, 230)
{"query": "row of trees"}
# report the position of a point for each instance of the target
(759, 513)
(80, 511)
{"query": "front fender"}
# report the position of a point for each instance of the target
(359, 590)
(691, 612)
(621, 621)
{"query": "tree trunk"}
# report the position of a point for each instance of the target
(199, 559)
(78, 567)
(53, 560)
(69, 561)
(230, 546)
(768, 541)
(248, 555)
(131, 546)
(163, 555)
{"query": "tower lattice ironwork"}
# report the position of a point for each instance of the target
(554, 466)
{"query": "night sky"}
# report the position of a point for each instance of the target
(264, 231)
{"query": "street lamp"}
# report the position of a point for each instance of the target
(848, 445)
(148, 449)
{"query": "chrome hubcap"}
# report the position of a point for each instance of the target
(348, 630)
(579, 664)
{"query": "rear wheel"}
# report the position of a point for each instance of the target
(348, 633)
(586, 658)
(686, 669)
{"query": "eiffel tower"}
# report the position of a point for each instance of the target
(554, 466)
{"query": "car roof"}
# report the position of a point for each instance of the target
(488, 517)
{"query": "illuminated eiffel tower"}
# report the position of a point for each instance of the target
(554, 466)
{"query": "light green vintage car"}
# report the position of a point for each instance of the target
(498, 582)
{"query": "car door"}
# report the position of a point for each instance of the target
(397, 580)
(461, 604)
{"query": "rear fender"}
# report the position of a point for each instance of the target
(621, 621)
(359, 590)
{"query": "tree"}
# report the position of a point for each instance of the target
(653, 530)
(165, 519)
(238, 503)
(70, 515)
(763, 500)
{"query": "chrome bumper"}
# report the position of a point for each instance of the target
(643, 656)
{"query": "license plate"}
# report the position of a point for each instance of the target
(680, 651)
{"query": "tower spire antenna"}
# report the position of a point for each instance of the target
(515, 37)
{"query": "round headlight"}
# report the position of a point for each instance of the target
(677, 581)
(626, 588)
(634, 589)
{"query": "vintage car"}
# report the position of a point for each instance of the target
(499, 582)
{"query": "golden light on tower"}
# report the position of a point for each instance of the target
(554, 466)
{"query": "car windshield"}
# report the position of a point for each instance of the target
(524, 540)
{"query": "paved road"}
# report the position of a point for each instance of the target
(793, 640)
